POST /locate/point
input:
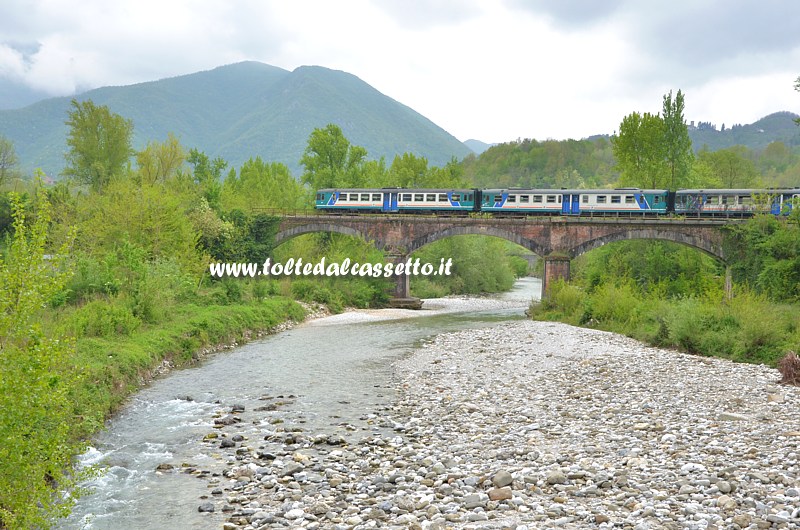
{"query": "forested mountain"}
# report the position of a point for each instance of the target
(237, 112)
(777, 127)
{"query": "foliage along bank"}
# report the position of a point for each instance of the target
(668, 295)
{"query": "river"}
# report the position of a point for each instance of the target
(328, 374)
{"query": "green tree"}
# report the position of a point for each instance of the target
(37, 419)
(99, 144)
(331, 161)
(207, 174)
(160, 160)
(731, 167)
(408, 171)
(677, 143)
(8, 159)
(263, 185)
(797, 87)
(640, 151)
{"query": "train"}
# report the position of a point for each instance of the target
(569, 202)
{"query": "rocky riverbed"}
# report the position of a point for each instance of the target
(525, 425)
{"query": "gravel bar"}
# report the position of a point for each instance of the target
(531, 425)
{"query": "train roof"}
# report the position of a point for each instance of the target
(398, 190)
(606, 191)
(739, 191)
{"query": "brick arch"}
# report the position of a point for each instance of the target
(463, 230)
(290, 233)
(700, 242)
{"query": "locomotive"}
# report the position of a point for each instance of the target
(571, 202)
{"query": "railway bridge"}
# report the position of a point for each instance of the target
(555, 239)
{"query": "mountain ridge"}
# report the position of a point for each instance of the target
(240, 111)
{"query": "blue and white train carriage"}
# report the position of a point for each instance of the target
(397, 200)
(574, 202)
(735, 202)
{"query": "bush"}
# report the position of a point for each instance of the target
(789, 367)
(102, 318)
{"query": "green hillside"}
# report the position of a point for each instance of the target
(240, 111)
(777, 127)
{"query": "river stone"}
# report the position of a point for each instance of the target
(206, 507)
(473, 500)
(732, 416)
(502, 478)
(556, 477)
(290, 469)
(500, 494)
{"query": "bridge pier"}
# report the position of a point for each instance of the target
(555, 267)
(401, 295)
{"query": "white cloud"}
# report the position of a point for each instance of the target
(493, 71)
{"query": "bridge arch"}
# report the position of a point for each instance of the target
(696, 241)
(462, 230)
(290, 233)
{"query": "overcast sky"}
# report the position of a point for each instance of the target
(494, 70)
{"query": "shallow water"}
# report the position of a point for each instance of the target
(327, 375)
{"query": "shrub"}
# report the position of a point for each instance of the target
(789, 367)
(102, 318)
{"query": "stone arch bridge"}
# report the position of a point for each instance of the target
(555, 239)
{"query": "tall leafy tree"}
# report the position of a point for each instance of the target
(640, 151)
(730, 167)
(207, 175)
(37, 373)
(8, 159)
(408, 171)
(99, 143)
(677, 144)
(330, 160)
(797, 87)
(263, 185)
(159, 161)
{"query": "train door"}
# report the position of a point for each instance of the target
(570, 204)
(390, 201)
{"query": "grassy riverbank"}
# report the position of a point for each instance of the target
(746, 328)
(116, 366)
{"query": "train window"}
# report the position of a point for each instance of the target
(406, 197)
(745, 199)
(585, 199)
(629, 199)
(442, 197)
(601, 199)
(365, 196)
(656, 199)
(616, 199)
(431, 197)
(468, 197)
(524, 198)
(723, 199)
(537, 198)
(456, 197)
(512, 198)
(641, 199)
(376, 196)
(551, 199)
(419, 197)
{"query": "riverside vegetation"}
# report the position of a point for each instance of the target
(103, 276)
(104, 282)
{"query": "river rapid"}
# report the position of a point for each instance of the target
(330, 375)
